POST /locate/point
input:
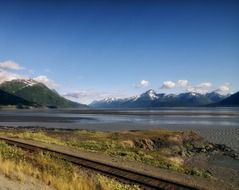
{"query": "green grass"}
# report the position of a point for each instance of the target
(16, 163)
(112, 144)
(38, 136)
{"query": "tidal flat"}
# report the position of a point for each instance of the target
(217, 125)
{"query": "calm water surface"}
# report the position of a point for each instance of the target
(227, 117)
(204, 117)
(218, 125)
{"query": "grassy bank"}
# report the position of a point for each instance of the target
(160, 148)
(16, 164)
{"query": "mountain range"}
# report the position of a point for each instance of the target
(32, 93)
(151, 99)
(231, 101)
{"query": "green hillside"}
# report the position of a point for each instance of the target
(7, 99)
(38, 93)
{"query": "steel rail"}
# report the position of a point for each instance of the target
(122, 174)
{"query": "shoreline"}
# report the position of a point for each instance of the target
(217, 135)
(188, 111)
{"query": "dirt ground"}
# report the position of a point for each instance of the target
(28, 184)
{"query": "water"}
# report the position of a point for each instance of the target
(218, 125)
(204, 117)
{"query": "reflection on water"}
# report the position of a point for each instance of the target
(221, 117)
(218, 125)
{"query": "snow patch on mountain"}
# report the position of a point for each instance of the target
(152, 99)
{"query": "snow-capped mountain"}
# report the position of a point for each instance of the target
(37, 93)
(28, 82)
(149, 95)
(17, 85)
(152, 99)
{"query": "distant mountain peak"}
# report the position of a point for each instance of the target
(150, 93)
(27, 82)
(36, 92)
(110, 99)
(194, 93)
(151, 99)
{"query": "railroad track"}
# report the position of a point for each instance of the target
(122, 174)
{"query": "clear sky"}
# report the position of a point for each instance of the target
(94, 49)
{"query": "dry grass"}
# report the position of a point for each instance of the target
(160, 148)
(16, 164)
(39, 136)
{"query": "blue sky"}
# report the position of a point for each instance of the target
(94, 49)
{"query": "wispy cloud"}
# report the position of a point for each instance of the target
(224, 88)
(9, 71)
(142, 84)
(200, 88)
(168, 85)
(89, 95)
(182, 83)
(8, 76)
(10, 65)
(178, 84)
(48, 71)
(45, 80)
